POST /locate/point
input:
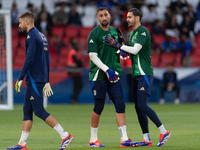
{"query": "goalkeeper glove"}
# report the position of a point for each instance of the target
(112, 42)
(124, 55)
(121, 38)
(47, 90)
(18, 85)
(112, 75)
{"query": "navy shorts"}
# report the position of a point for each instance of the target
(33, 99)
(99, 89)
(142, 84)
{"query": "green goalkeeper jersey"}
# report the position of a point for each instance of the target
(141, 62)
(96, 43)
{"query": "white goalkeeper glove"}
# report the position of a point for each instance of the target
(47, 90)
(18, 85)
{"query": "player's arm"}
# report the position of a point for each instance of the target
(111, 74)
(113, 43)
(132, 50)
(47, 91)
(31, 48)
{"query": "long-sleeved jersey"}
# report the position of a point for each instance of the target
(36, 65)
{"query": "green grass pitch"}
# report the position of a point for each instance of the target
(183, 121)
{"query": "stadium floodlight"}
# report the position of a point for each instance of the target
(6, 79)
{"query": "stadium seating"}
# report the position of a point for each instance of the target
(177, 62)
(57, 30)
(18, 62)
(167, 58)
(155, 59)
(71, 31)
(158, 38)
(84, 31)
(195, 60)
(22, 41)
(15, 32)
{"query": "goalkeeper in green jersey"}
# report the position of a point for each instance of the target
(142, 74)
(104, 73)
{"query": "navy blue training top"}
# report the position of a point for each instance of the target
(36, 65)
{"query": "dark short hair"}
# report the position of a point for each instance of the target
(28, 15)
(136, 12)
(101, 9)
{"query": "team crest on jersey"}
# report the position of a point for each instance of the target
(28, 37)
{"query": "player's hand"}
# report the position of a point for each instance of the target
(112, 42)
(124, 55)
(112, 75)
(47, 90)
(18, 85)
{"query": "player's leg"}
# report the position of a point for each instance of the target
(27, 121)
(37, 104)
(143, 92)
(99, 89)
(115, 92)
(142, 117)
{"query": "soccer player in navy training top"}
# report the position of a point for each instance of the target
(36, 70)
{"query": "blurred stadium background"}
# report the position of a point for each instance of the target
(163, 18)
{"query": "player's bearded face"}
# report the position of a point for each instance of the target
(22, 25)
(131, 19)
(103, 17)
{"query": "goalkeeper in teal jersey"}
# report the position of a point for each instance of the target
(105, 70)
(142, 74)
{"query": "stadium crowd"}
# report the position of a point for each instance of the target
(174, 30)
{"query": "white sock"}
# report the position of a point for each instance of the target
(162, 129)
(24, 137)
(146, 136)
(123, 133)
(60, 131)
(93, 137)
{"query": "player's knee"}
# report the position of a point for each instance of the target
(27, 117)
(98, 109)
(99, 106)
(41, 113)
(119, 104)
(120, 108)
(28, 114)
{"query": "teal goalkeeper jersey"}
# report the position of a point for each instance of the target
(141, 62)
(96, 43)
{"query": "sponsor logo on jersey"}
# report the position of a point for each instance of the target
(143, 34)
(28, 37)
(142, 89)
(91, 41)
(31, 98)
(95, 92)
